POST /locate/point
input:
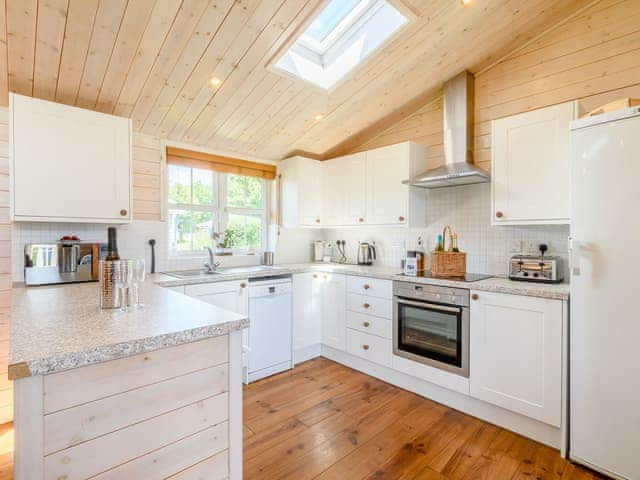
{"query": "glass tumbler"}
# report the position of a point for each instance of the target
(124, 283)
(139, 272)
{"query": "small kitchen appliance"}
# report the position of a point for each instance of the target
(366, 253)
(318, 250)
(62, 262)
(536, 268)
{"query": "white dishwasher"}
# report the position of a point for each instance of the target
(270, 336)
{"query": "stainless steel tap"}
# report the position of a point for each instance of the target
(213, 264)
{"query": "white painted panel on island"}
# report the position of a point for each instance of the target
(101, 454)
(85, 422)
(116, 376)
(179, 459)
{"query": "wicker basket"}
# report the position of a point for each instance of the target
(448, 264)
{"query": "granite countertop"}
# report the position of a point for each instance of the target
(61, 327)
(558, 291)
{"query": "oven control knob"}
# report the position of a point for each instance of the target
(526, 274)
(535, 275)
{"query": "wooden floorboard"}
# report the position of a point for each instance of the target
(325, 421)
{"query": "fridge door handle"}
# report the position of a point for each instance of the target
(574, 256)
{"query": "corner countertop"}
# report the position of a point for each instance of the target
(61, 327)
(557, 291)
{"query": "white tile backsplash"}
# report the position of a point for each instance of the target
(293, 246)
(466, 209)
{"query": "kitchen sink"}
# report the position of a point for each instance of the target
(221, 271)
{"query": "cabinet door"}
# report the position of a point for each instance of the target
(310, 193)
(354, 183)
(334, 190)
(306, 314)
(334, 311)
(387, 197)
(344, 190)
(516, 354)
(69, 163)
(233, 296)
(530, 166)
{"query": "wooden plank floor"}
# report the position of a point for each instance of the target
(323, 420)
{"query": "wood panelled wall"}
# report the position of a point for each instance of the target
(147, 175)
(6, 391)
(593, 57)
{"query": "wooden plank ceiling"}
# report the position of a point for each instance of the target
(153, 60)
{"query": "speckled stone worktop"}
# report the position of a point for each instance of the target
(558, 291)
(61, 327)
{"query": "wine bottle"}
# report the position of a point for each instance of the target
(112, 244)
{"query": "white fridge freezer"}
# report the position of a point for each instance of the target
(604, 393)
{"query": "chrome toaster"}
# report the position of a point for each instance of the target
(535, 268)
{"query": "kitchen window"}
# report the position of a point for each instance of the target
(202, 201)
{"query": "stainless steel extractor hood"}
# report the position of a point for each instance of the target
(458, 168)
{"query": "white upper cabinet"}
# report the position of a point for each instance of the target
(360, 189)
(389, 201)
(301, 200)
(69, 164)
(530, 166)
(516, 354)
(344, 194)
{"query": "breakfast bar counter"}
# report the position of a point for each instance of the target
(148, 393)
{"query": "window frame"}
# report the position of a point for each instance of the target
(219, 213)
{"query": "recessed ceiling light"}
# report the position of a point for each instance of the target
(215, 82)
(466, 2)
(319, 117)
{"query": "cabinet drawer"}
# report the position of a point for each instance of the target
(381, 327)
(213, 288)
(369, 347)
(379, 307)
(372, 287)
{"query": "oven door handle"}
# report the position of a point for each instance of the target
(431, 306)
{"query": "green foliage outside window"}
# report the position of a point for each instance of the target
(190, 228)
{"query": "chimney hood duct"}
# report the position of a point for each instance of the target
(458, 168)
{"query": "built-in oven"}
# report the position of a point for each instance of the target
(431, 325)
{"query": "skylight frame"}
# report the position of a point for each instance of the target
(343, 26)
(293, 45)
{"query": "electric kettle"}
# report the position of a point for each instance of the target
(366, 253)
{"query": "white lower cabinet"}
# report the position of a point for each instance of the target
(370, 347)
(307, 312)
(382, 327)
(516, 354)
(232, 295)
(379, 307)
(333, 297)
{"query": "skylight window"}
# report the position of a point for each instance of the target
(341, 36)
